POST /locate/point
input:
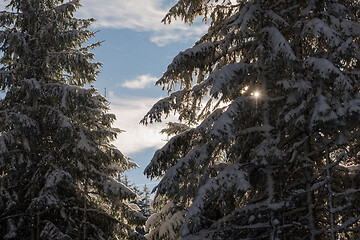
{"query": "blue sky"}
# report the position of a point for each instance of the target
(136, 51)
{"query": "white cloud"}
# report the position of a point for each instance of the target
(140, 82)
(3, 5)
(129, 111)
(140, 15)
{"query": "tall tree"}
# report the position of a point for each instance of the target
(57, 162)
(273, 153)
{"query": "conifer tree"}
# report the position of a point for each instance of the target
(272, 95)
(145, 201)
(57, 163)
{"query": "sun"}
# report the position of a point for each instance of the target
(256, 94)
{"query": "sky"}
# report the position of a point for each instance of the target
(137, 47)
(136, 50)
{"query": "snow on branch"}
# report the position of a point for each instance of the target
(207, 124)
(296, 112)
(111, 187)
(233, 22)
(223, 127)
(278, 44)
(198, 156)
(277, 20)
(119, 162)
(54, 178)
(165, 106)
(45, 201)
(133, 214)
(50, 231)
(199, 56)
(309, 8)
(268, 153)
(21, 120)
(325, 69)
(167, 156)
(228, 78)
(250, 16)
(317, 28)
(84, 143)
(201, 50)
(58, 118)
(67, 8)
(354, 106)
(231, 179)
(48, 196)
(221, 82)
(347, 27)
(163, 224)
(322, 112)
(174, 128)
(348, 46)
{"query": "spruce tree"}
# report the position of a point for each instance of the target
(145, 201)
(57, 163)
(272, 95)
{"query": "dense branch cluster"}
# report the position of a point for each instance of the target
(57, 163)
(271, 95)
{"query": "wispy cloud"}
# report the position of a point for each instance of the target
(3, 5)
(129, 111)
(140, 15)
(140, 82)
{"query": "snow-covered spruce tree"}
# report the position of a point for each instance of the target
(145, 201)
(277, 156)
(57, 163)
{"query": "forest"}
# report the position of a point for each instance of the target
(265, 144)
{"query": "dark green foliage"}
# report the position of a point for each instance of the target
(56, 157)
(273, 153)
